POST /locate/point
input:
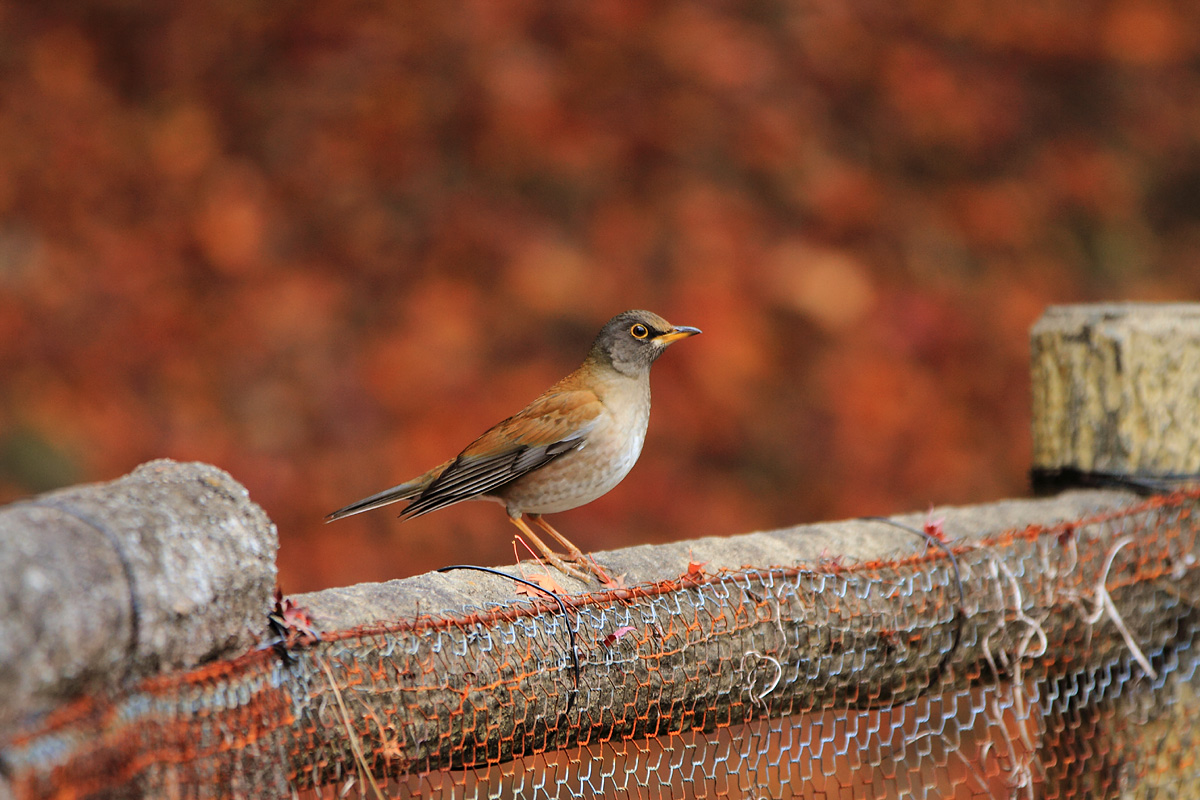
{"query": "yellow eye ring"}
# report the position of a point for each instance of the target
(639, 331)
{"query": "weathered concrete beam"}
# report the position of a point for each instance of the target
(848, 541)
(162, 569)
(456, 670)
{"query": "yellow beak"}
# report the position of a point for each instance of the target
(678, 332)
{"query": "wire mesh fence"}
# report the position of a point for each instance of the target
(1048, 660)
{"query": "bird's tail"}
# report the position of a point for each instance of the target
(405, 491)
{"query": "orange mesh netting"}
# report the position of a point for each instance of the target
(1063, 664)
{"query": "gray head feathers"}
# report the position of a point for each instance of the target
(630, 342)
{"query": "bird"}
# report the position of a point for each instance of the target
(571, 445)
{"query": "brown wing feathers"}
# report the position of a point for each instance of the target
(552, 425)
(469, 477)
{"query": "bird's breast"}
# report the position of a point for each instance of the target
(609, 451)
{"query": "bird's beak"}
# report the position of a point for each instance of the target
(678, 332)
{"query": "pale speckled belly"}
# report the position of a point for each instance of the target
(584, 474)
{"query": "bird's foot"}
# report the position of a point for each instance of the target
(574, 554)
(588, 563)
(575, 563)
(563, 565)
(549, 555)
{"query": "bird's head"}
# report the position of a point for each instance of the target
(630, 342)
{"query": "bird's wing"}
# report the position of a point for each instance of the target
(556, 423)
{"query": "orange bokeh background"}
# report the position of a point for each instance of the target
(323, 246)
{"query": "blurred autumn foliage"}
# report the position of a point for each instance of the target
(324, 245)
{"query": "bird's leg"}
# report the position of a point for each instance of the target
(574, 554)
(550, 555)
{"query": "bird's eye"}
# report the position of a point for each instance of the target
(639, 331)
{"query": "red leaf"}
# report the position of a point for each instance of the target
(612, 638)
